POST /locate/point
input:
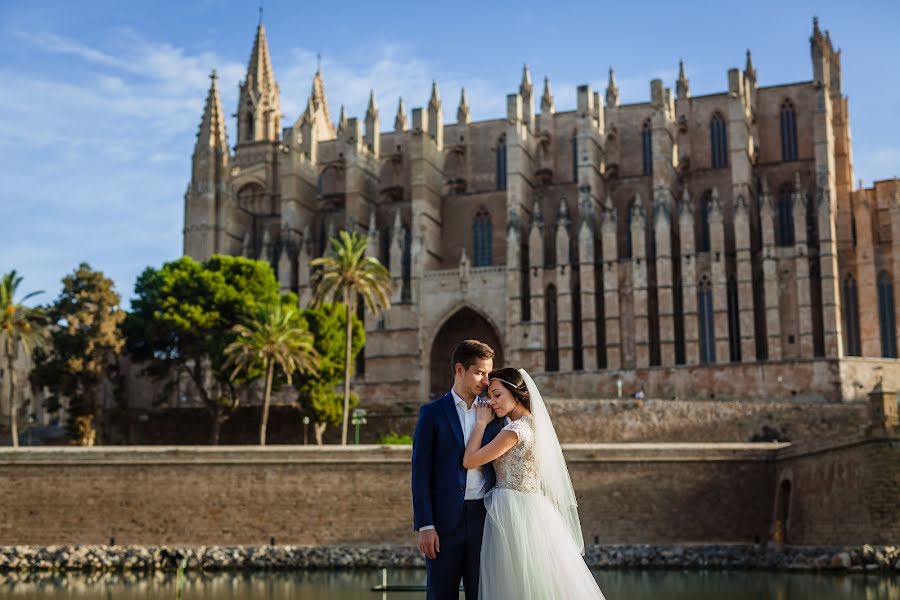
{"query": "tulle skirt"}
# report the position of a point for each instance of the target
(527, 552)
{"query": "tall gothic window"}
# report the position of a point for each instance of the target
(784, 234)
(705, 317)
(788, 131)
(482, 239)
(249, 126)
(704, 244)
(886, 316)
(575, 158)
(734, 321)
(551, 330)
(851, 316)
(718, 138)
(406, 268)
(629, 217)
(647, 148)
(501, 164)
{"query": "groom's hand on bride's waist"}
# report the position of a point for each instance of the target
(429, 543)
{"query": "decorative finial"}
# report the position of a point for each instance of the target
(260, 13)
(318, 62)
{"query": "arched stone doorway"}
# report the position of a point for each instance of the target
(464, 324)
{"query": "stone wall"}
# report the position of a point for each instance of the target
(849, 492)
(845, 493)
(195, 495)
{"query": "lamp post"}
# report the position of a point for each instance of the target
(358, 417)
(305, 429)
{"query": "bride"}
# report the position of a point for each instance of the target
(532, 546)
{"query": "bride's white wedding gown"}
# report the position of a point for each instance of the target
(528, 552)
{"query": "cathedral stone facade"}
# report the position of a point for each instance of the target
(706, 246)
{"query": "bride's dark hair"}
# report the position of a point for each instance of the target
(513, 381)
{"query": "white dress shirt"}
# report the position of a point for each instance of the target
(476, 484)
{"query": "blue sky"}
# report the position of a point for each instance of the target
(100, 101)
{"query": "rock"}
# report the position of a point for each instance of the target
(841, 561)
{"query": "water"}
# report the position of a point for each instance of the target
(356, 585)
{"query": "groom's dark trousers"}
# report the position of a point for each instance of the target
(438, 490)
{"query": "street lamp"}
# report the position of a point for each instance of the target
(305, 429)
(358, 417)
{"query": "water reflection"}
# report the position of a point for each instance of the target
(356, 585)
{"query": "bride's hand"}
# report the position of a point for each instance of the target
(484, 414)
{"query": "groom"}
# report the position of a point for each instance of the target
(448, 500)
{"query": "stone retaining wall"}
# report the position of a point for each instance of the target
(306, 495)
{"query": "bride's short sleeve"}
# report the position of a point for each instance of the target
(520, 428)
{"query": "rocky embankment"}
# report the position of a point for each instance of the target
(86, 558)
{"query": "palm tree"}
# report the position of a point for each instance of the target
(21, 328)
(276, 338)
(345, 275)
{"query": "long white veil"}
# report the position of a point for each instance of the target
(555, 481)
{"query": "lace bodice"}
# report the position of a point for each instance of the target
(517, 469)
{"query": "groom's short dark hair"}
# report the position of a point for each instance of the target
(468, 351)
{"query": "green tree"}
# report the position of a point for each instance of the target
(318, 393)
(22, 329)
(182, 320)
(277, 338)
(345, 275)
(86, 338)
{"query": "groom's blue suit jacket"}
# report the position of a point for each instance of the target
(438, 476)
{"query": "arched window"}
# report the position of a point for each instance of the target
(629, 217)
(575, 158)
(851, 316)
(551, 330)
(406, 268)
(249, 127)
(718, 138)
(705, 317)
(734, 321)
(886, 316)
(788, 131)
(501, 164)
(482, 239)
(704, 243)
(647, 148)
(784, 234)
(252, 199)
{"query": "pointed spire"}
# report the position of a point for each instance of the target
(212, 134)
(547, 104)
(683, 87)
(608, 213)
(714, 206)
(371, 109)
(373, 126)
(537, 219)
(562, 216)
(749, 69)
(686, 206)
(260, 75)
(525, 88)
(463, 116)
(259, 111)
(317, 94)
(637, 210)
(400, 121)
(342, 120)
(612, 92)
(436, 117)
(435, 100)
